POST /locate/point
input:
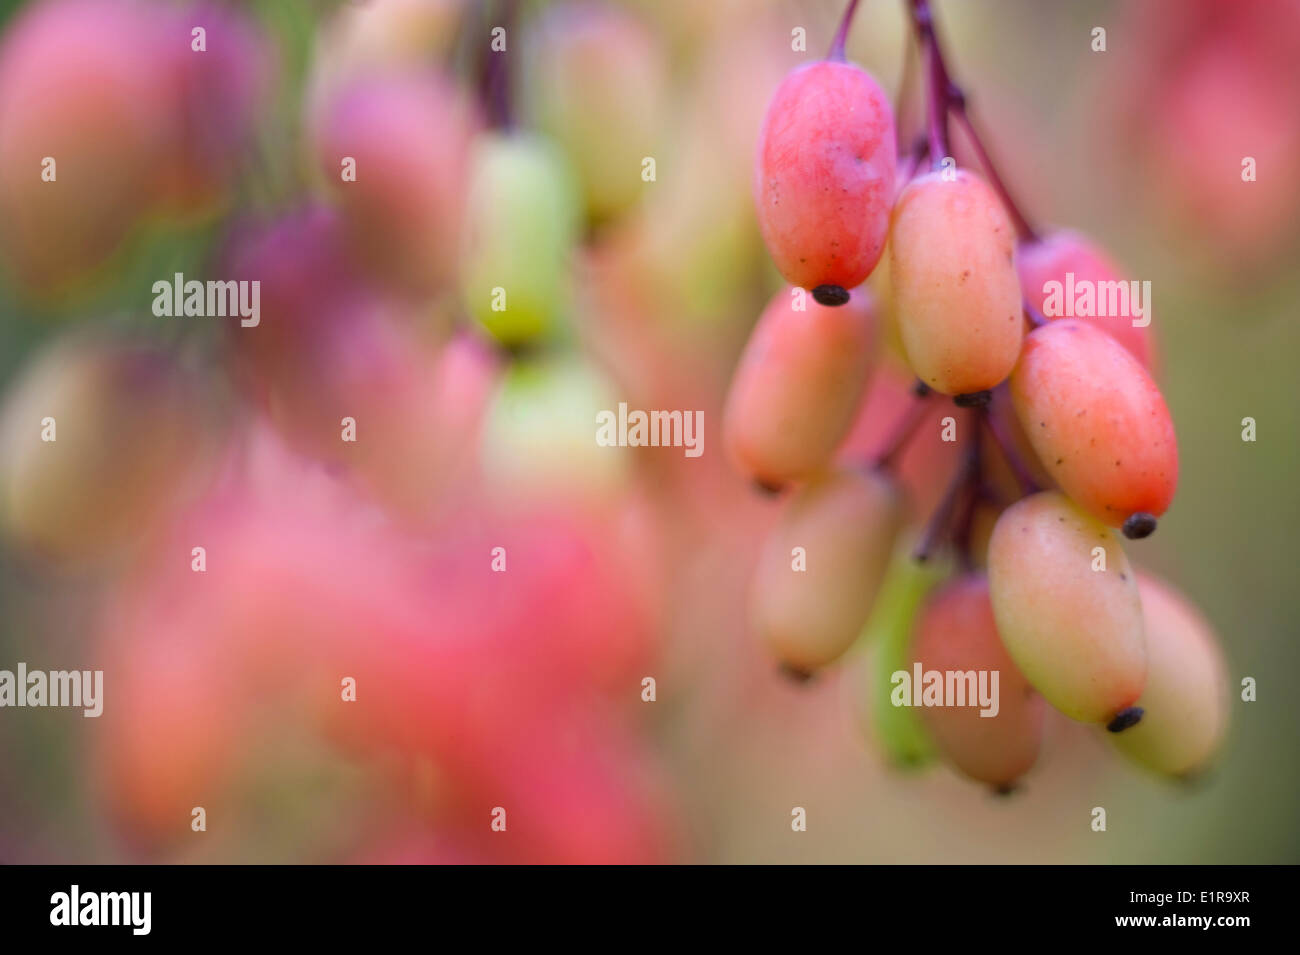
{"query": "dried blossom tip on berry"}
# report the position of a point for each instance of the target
(1139, 525)
(1125, 718)
(795, 674)
(976, 399)
(830, 295)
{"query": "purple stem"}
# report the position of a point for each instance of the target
(1036, 317)
(967, 473)
(842, 34)
(1005, 445)
(903, 431)
(1023, 229)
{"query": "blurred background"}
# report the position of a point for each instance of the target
(372, 559)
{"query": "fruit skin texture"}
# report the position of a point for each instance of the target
(956, 292)
(824, 180)
(1186, 696)
(521, 222)
(846, 523)
(1097, 421)
(956, 631)
(1075, 633)
(1050, 258)
(798, 385)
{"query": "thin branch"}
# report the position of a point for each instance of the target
(967, 473)
(1023, 229)
(842, 34)
(905, 428)
(1010, 454)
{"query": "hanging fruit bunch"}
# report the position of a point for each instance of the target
(1064, 444)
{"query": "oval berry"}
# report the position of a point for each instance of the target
(822, 565)
(824, 180)
(1066, 604)
(1097, 422)
(1072, 260)
(956, 294)
(956, 633)
(798, 385)
(1185, 703)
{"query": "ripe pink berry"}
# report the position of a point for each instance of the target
(824, 181)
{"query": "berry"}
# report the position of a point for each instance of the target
(1052, 258)
(410, 135)
(520, 226)
(1098, 423)
(1185, 701)
(598, 85)
(840, 527)
(824, 180)
(1073, 629)
(899, 730)
(124, 444)
(798, 385)
(956, 294)
(956, 633)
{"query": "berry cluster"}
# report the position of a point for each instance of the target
(1066, 439)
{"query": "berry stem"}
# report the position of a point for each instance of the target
(905, 428)
(967, 473)
(944, 97)
(937, 102)
(1009, 453)
(1023, 229)
(842, 34)
(903, 101)
(909, 163)
(1036, 317)
(496, 77)
(961, 537)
